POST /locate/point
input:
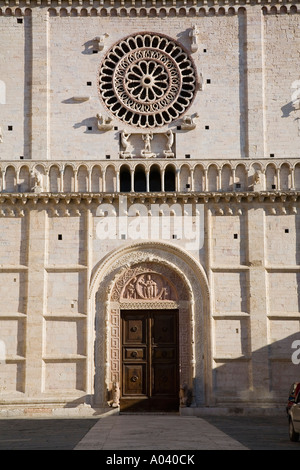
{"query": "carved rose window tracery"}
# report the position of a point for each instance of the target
(147, 80)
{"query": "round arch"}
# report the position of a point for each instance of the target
(191, 298)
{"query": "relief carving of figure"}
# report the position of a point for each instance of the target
(38, 181)
(125, 145)
(170, 141)
(149, 286)
(104, 123)
(147, 139)
(146, 152)
(194, 38)
(188, 122)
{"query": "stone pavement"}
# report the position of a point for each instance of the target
(142, 433)
(163, 432)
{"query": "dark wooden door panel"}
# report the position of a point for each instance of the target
(150, 377)
(135, 329)
(134, 379)
(165, 382)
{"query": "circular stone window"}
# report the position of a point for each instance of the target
(147, 80)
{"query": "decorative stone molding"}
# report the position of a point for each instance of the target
(163, 261)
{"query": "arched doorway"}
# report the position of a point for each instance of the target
(150, 287)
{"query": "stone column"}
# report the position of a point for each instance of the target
(36, 303)
(258, 330)
(256, 83)
(40, 146)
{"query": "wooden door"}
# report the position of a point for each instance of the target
(150, 377)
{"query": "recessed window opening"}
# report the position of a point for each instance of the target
(125, 180)
(59, 237)
(170, 179)
(286, 230)
(235, 236)
(140, 180)
(155, 179)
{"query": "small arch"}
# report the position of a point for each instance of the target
(152, 13)
(293, 9)
(285, 176)
(94, 12)
(170, 178)
(52, 12)
(185, 178)
(172, 12)
(199, 178)
(24, 180)
(96, 179)
(241, 176)
(54, 181)
(162, 13)
(271, 177)
(125, 179)
(110, 179)
(226, 178)
(155, 179)
(83, 179)
(68, 179)
(140, 184)
(10, 179)
(212, 178)
(133, 13)
(63, 12)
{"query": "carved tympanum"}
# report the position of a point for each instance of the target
(148, 286)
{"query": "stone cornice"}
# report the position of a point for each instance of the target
(145, 3)
(172, 197)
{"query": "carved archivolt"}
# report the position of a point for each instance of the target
(147, 80)
(147, 276)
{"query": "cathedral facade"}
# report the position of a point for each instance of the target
(149, 205)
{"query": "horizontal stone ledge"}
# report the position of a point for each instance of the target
(154, 197)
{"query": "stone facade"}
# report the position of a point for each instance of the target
(117, 118)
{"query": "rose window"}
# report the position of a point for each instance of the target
(147, 80)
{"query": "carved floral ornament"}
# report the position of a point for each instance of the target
(147, 80)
